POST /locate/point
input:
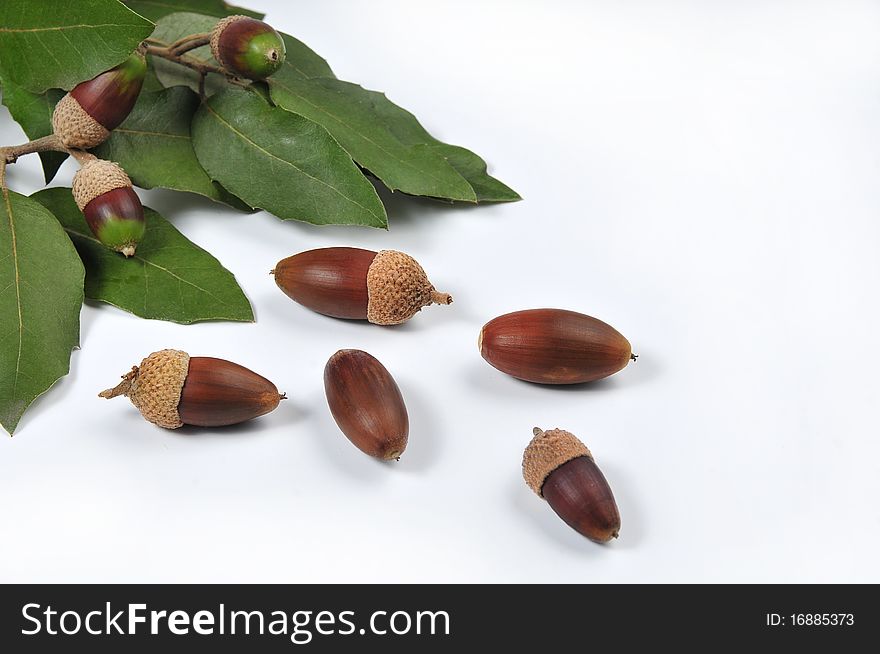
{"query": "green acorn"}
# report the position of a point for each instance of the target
(114, 212)
(247, 47)
(85, 117)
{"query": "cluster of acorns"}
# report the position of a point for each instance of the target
(547, 346)
(84, 118)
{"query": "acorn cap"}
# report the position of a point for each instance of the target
(75, 127)
(217, 31)
(154, 387)
(547, 451)
(398, 288)
(95, 178)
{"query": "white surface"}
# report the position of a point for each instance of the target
(703, 176)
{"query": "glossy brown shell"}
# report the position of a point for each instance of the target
(554, 346)
(366, 403)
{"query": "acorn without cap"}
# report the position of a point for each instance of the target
(85, 117)
(172, 389)
(114, 212)
(247, 47)
(554, 346)
(366, 403)
(559, 468)
(386, 288)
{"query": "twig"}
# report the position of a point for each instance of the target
(51, 143)
(190, 42)
(190, 62)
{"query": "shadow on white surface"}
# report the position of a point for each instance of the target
(633, 521)
(425, 440)
(339, 452)
(245, 429)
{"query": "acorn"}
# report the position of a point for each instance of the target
(248, 47)
(386, 288)
(559, 468)
(172, 389)
(85, 117)
(114, 212)
(366, 404)
(554, 346)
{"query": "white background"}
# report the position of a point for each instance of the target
(705, 176)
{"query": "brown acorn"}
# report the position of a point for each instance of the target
(247, 46)
(366, 404)
(386, 288)
(559, 468)
(554, 346)
(103, 192)
(172, 389)
(85, 117)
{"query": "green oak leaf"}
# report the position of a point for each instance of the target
(409, 131)
(354, 117)
(154, 146)
(474, 170)
(282, 162)
(151, 82)
(156, 9)
(41, 294)
(300, 62)
(33, 111)
(169, 277)
(58, 43)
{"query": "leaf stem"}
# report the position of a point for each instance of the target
(166, 52)
(51, 143)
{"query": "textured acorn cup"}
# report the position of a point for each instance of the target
(247, 47)
(85, 117)
(554, 346)
(114, 212)
(559, 468)
(386, 288)
(172, 389)
(366, 404)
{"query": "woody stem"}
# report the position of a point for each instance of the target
(190, 42)
(191, 62)
(49, 143)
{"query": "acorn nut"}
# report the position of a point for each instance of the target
(386, 288)
(85, 117)
(172, 389)
(366, 404)
(112, 209)
(554, 346)
(247, 46)
(559, 468)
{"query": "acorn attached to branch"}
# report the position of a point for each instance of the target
(114, 212)
(386, 288)
(172, 389)
(559, 468)
(85, 117)
(247, 47)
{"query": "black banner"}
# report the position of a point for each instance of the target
(255, 618)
